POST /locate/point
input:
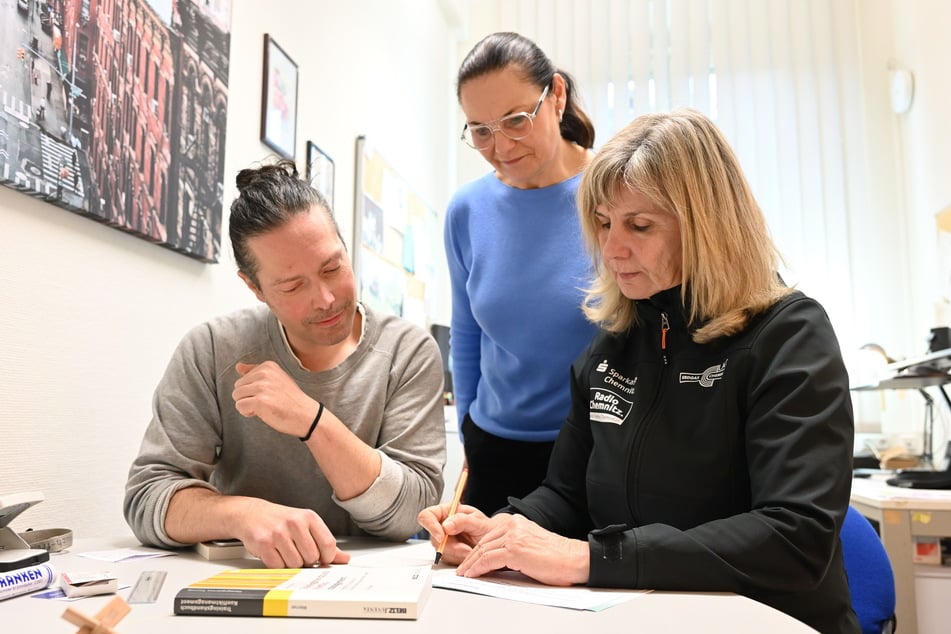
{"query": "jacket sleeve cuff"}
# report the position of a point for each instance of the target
(613, 557)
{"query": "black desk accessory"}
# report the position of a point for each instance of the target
(911, 479)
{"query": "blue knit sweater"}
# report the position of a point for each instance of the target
(517, 265)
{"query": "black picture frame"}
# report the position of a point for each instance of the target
(320, 171)
(279, 100)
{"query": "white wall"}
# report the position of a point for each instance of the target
(908, 164)
(923, 141)
(89, 315)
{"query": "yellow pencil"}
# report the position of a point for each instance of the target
(456, 497)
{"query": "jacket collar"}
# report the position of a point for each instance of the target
(667, 301)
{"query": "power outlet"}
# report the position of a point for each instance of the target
(874, 442)
(881, 442)
(910, 443)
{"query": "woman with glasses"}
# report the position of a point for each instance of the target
(516, 264)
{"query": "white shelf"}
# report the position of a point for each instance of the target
(929, 570)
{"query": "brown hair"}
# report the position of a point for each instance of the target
(501, 50)
(268, 197)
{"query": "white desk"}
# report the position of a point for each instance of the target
(445, 611)
(903, 514)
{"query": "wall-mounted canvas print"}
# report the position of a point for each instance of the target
(279, 100)
(117, 111)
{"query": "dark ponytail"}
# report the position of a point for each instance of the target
(500, 50)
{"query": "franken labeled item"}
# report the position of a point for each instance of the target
(25, 580)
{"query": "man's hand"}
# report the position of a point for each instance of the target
(281, 536)
(286, 537)
(266, 391)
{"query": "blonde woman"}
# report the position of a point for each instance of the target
(709, 442)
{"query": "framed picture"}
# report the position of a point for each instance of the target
(320, 172)
(279, 100)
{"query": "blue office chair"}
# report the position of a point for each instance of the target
(871, 581)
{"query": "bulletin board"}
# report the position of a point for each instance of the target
(395, 239)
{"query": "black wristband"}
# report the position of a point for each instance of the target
(313, 425)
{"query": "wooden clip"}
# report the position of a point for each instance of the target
(105, 619)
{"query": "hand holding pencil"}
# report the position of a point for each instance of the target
(456, 498)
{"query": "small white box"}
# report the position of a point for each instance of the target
(88, 584)
(221, 549)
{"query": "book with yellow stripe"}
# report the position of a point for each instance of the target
(333, 591)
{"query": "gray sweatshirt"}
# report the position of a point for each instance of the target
(388, 392)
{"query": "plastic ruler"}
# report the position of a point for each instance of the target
(147, 587)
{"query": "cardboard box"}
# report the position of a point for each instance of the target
(88, 584)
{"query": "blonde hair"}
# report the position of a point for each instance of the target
(683, 164)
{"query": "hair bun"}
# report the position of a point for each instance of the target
(247, 177)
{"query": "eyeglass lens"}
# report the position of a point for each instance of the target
(515, 126)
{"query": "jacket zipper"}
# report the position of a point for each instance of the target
(664, 327)
(649, 413)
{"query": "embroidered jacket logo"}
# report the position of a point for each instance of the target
(608, 407)
(612, 396)
(705, 378)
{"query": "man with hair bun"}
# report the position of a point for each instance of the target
(307, 417)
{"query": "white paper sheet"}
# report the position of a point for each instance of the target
(126, 554)
(506, 584)
(517, 587)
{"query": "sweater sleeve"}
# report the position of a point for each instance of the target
(178, 448)
(798, 441)
(465, 334)
(411, 442)
(560, 503)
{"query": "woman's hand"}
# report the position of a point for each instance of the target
(435, 520)
(517, 543)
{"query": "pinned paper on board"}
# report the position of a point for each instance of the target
(395, 240)
(943, 307)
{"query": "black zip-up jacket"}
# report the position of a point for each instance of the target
(717, 467)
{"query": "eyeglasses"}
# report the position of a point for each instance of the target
(515, 126)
